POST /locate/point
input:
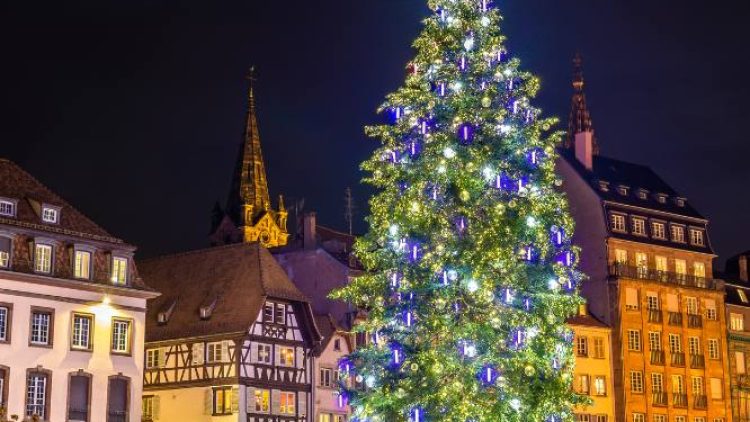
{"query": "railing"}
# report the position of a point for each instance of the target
(117, 416)
(620, 270)
(679, 400)
(76, 415)
(743, 380)
(678, 359)
(695, 321)
(675, 318)
(659, 398)
(697, 361)
(700, 402)
(655, 316)
(657, 357)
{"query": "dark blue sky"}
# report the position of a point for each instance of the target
(133, 110)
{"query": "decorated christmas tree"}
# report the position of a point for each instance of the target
(470, 269)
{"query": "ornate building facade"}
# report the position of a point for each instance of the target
(72, 311)
(649, 260)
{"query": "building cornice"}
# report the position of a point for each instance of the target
(655, 211)
(87, 286)
(610, 237)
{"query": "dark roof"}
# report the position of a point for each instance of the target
(587, 320)
(635, 177)
(235, 278)
(17, 184)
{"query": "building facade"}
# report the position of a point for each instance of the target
(335, 345)
(593, 367)
(72, 311)
(230, 339)
(738, 336)
(649, 260)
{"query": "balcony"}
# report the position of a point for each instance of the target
(674, 318)
(679, 400)
(697, 361)
(659, 398)
(117, 416)
(657, 357)
(641, 273)
(78, 414)
(678, 359)
(743, 380)
(695, 321)
(700, 402)
(655, 316)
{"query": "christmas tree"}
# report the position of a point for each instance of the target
(470, 270)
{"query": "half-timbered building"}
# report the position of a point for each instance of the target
(230, 339)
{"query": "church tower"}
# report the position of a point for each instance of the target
(249, 216)
(580, 121)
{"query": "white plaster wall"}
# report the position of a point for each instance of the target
(326, 398)
(60, 359)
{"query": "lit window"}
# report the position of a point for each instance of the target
(262, 400)
(680, 268)
(699, 270)
(696, 237)
(660, 418)
(582, 384)
(81, 339)
(119, 271)
(678, 384)
(739, 362)
(600, 385)
(652, 301)
(639, 417)
(120, 336)
(697, 386)
(658, 231)
(41, 326)
(582, 346)
(50, 215)
(288, 405)
(154, 358)
(661, 264)
(599, 347)
(713, 348)
(4, 324)
(742, 295)
(621, 256)
(639, 226)
(694, 345)
(264, 353)
(675, 343)
(150, 408)
(5, 249)
(286, 356)
(692, 305)
(618, 222)
(222, 403)
(710, 305)
(36, 395)
(736, 322)
(7, 208)
(678, 234)
(43, 258)
(636, 381)
(657, 382)
(82, 267)
(654, 340)
(634, 340)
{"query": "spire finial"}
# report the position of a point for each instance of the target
(580, 118)
(252, 78)
(578, 72)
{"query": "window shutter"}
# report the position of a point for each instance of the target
(672, 305)
(631, 297)
(277, 353)
(250, 400)
(275, 402)
(225, 350)
(302, 403)
(300, 358)
(199, 355)
(208, 402)
(155, 407)
(253, 352)
(716, 390)
(739, 360)
(236, 399)
(162, 355)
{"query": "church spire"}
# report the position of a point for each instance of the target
(580, 118)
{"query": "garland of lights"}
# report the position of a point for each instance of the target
(471, 272)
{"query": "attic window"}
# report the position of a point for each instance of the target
(604, 186)
(742, 295)
(166, 312)
(642, 194)
(623, 190)
(50, 214)
(680, 202)
(661, 198)
(206, 310)
(7, 207)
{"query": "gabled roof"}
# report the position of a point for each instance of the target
(587, 320)
(328, 328)
(236, 279)
(18, 185)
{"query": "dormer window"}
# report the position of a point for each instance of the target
(659, 231)
(7, 208)
(603, 186)
(280, 313)
(680, 202)
(618, 222)
(82, 265)
(742, 295)
(5, 248)
(696, 237)
(274, 313)
(207, 308)
(623, 190)
(50, 214)
(661, 198)
(642, 194)
(42, 258)
(165, 313)
(639, 226)
(678, 234)
(119, 271)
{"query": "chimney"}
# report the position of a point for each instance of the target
(310, 236)
(582, 310)
(584, 149)
(743, 268)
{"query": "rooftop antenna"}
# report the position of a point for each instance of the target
(349, 209)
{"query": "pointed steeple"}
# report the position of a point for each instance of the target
(580, 118)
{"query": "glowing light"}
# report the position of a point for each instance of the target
(531, 221)
(472, 286)
(515, 404)
(449, 153)
(469, 44)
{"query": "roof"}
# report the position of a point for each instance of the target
(634, 176)
(18, 185)
(586, 320)
(234, 279)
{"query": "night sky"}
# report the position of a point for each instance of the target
(133, 110)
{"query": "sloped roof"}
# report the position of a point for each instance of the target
(587, 320)
(17, 184)
(236, 278)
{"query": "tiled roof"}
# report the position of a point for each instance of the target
(586, 320)
(17, 184)
(235, 278)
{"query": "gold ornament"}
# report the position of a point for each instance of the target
(486, 102)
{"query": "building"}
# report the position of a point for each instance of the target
(593, 370)
(649, 260)
(738, 319)
(230, 339)
(72, 310)
(336, 344)
(249, 216)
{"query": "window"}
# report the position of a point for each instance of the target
(268, 312)
(691, 304)
(286, 356)
(119, 271)
(337, 345)
(618, 222)
(661, 198)
(699, 419)
(217, 351)
(288, 404)
(713, 348)
(118, 402)
(694, 345)
(325, 377)
(7, 208)
(636, 381)
(583, 384)
(623, 190)
(742, 295)
(599, 347)
(657, 382)
(658, 231)
(82, 330)
(50, 215)
(120, 336)
(739, 362)
(79, 395)
(82, 265)
(631, 299)
(621, 256)
(660, 418)
(652, 301)
(661, 264)
(680, 419)
(710, 305)
(675, 343)
(3, 384)
(222, 401)
(697, 386)
(582, 346)
(150, 408)
(262, 401)
(583, 417)
(280, 313)
(37, 394)
(41, 327)
(154, 358)
(641, 262)
(639, 226)
(600, 385)
(639, 417)
(634, 340)
(654, 340)
(678, 384)
(699, 270)
(717, 392)
(736, 322)
(264, 353)
(680, 268)
(696, 237)
(42, 258)
(5, 315)
(678, 234)
(5, 249)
